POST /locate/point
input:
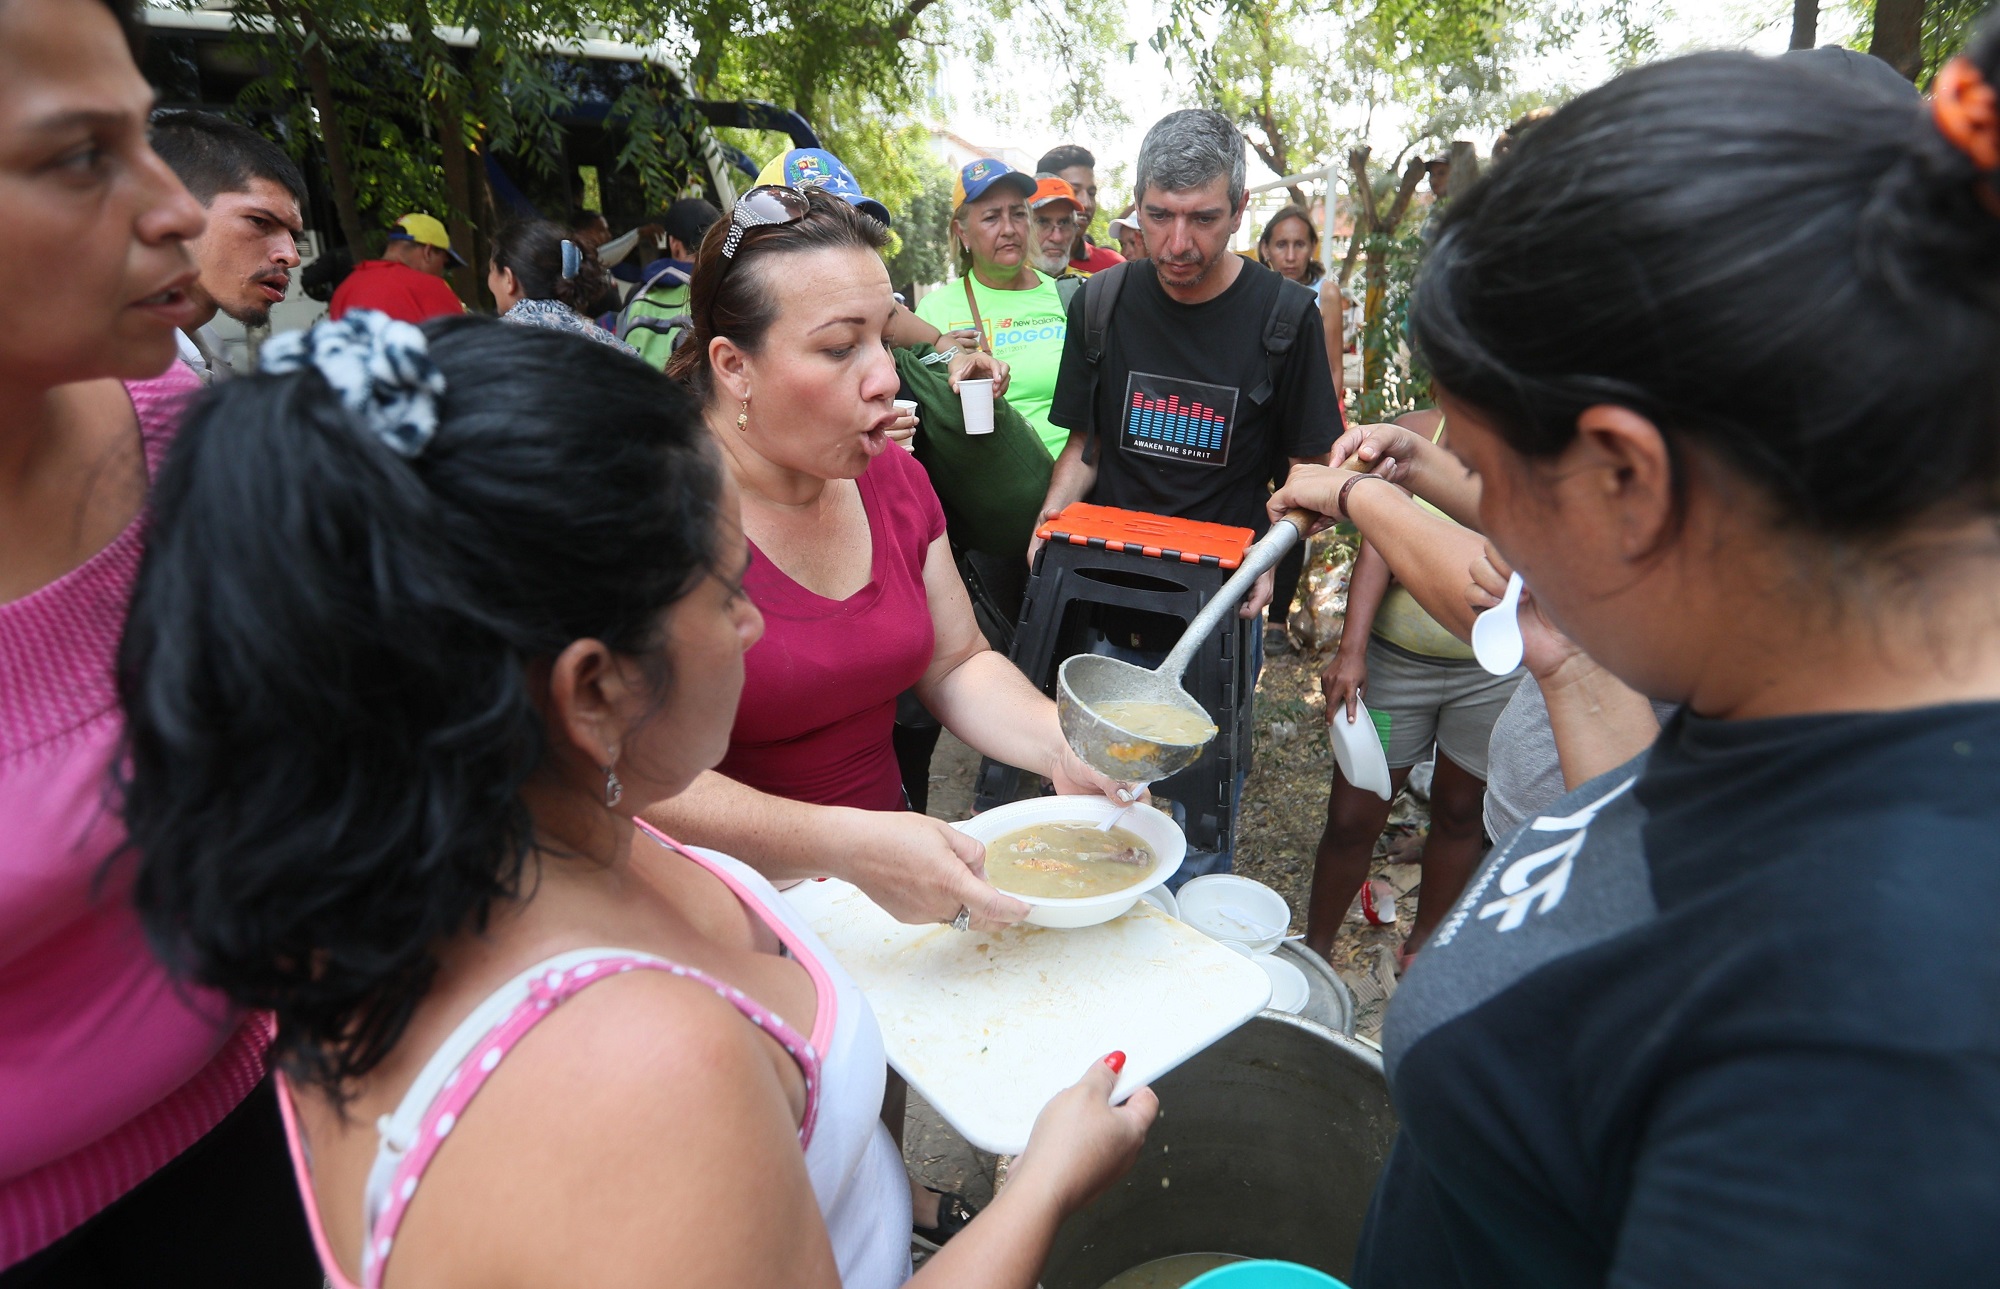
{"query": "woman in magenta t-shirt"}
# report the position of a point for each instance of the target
(850, 566)
(111, 1073)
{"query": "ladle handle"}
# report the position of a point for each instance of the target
(1264, 554)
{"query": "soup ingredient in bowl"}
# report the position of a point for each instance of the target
(1068, 860)
(1159, 722)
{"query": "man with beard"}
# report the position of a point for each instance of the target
(249, 248)
(1209, 375)
(1052, 219)
(1074, 165)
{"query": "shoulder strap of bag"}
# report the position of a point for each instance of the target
(972, 303)
(1100, 299)
(1281, 327)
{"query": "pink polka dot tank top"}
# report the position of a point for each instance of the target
(866, 1207)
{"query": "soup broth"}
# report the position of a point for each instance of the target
(1159, 722)
(1068, 861)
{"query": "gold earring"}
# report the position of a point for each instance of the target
(743, 416)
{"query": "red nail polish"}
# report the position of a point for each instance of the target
(1116, 1061)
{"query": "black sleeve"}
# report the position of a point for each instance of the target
(1819, 1163)
(1308, 409)
(1071, 408)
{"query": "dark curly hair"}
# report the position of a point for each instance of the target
(328, 670)
(532, 250)
(1788, 266)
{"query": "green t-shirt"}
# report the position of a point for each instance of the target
(1026, 330)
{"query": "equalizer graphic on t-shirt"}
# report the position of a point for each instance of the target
(1179, 420)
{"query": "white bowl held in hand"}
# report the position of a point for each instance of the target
(1157, 830)
(1357, 749)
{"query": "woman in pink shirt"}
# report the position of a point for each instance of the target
(852, 570)
(131, 1148)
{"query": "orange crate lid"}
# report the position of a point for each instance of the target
(1190, 541)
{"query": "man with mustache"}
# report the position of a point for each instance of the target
(1052, 220)
(1208, 376)
(246, 254)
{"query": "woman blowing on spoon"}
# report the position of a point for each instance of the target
(1686, 1028)
(420, 629)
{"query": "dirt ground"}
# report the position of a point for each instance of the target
(1284, 805)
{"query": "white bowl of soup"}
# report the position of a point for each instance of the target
(1049, 853)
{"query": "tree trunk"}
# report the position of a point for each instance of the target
(1374, 357)
(319, 81)
(1899, 35)
(448, 121)
(1805, 24)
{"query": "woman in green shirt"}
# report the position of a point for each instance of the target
(1020, 317)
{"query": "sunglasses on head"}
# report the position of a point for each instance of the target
(761, 207)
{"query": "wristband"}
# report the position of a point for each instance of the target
(1340, 501)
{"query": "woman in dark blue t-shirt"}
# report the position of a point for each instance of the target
(1721, 340)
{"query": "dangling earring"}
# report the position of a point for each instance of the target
(743, 417)
(614, 791)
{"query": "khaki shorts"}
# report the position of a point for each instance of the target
(1421, 702)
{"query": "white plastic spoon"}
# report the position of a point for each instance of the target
(1496, 633)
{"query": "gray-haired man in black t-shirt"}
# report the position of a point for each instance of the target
(1193, 416)
(1194, 413)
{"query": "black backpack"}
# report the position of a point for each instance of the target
(1100, 301)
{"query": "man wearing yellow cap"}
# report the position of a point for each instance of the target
(408, 281)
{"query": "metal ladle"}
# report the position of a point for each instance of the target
(1086, 680)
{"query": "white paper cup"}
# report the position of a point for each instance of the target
(907, 407)
(976, 397)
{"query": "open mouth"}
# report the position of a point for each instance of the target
(274, 288)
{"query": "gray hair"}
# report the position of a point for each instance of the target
(1188, 149)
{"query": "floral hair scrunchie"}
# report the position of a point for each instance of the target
(380, 367)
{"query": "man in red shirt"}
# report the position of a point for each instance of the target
(408, 281)
(1075, 166)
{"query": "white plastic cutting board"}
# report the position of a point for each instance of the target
(987, 1026)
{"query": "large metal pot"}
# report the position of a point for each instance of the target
(1267, 1146)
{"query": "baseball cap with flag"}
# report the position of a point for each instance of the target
(818, 168)
(976, 179)
(425, 230)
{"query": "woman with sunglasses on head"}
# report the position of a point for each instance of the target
(446, 627)
(1725, 1015)
(138, 1142)
(851, 568)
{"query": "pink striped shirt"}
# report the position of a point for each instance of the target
(107, 1068)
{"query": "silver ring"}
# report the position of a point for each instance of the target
(963, 922)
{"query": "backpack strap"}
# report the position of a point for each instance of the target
(1281, 328)
(1100, 299)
